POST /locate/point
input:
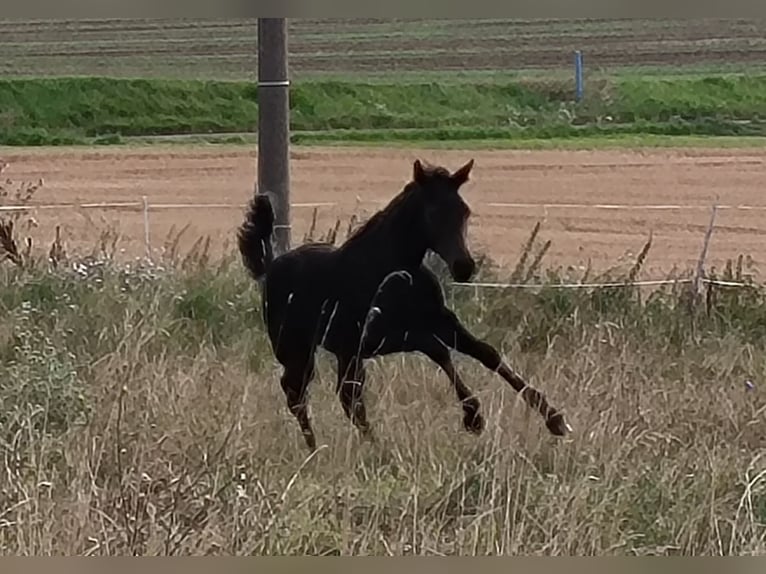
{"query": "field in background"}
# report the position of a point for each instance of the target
(224, 49)
(141, 409)
(378, 81)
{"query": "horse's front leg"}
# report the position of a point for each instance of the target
(426, 343)
(439, 353)
(452, 333)
(350, 389)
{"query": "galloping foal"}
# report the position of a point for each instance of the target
(372, 296)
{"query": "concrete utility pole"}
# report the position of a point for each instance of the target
(274, 124)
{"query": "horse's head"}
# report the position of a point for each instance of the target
(446, 216)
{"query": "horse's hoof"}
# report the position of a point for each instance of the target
(473, 423)
(557, 425)
(311, 442)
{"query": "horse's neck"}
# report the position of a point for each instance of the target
(390, 246)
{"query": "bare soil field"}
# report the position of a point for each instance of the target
(228, 48)
(670, 193)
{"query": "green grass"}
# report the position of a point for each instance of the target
(105, 110)
(581, 143)
(561, 75)
(631, 141)
(73, 110)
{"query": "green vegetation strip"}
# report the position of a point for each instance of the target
(106, 110)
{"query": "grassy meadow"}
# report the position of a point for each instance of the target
(141, 414)
(56, 111)
(140, 408)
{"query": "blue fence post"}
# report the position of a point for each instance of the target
(578, 75)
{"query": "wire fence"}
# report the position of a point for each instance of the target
(139, 205)
(604, 285)
(145, 206)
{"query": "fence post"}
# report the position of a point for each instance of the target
(578, 75)
(147, 243)
(274, 124)
(700, 270)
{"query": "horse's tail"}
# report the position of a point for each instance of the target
(255, 236)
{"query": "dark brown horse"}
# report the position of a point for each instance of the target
(372, 296)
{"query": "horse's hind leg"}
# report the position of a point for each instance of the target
(454, 334)
(350, 388)
(295, 380)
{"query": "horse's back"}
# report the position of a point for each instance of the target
(306, 259)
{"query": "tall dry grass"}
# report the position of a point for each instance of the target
(140, 413)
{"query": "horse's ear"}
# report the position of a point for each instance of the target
(418, 173)
(461, 175)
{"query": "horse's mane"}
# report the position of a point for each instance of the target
(396, 203)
